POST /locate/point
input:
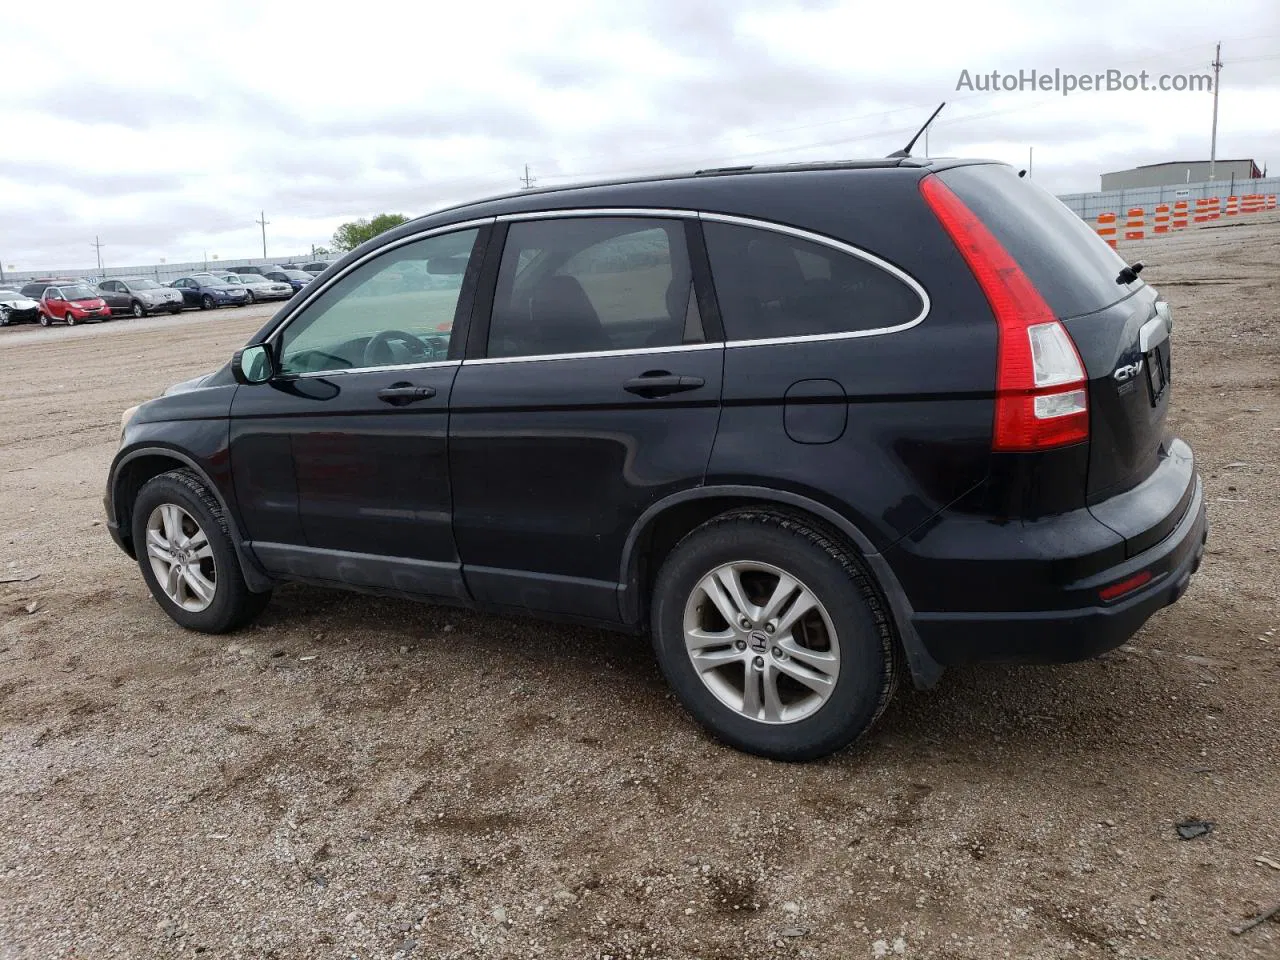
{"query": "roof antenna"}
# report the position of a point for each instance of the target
(906, 151)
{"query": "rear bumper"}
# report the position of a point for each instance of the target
(1031, 592)
(1062, 636)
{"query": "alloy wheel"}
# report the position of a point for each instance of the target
(181, 557)
(761, 642)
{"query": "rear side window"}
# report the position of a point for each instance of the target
(592, 284)
(771, 285)
(1073, 269)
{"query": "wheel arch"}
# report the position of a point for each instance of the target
(132, 471)
(666, 522)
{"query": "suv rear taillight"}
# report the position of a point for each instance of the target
(1042, 398)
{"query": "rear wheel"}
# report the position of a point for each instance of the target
(138, 310)
(187, 557)
(206, 302)
(772, 635)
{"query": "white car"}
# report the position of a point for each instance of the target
(15, 308)
(258, 286)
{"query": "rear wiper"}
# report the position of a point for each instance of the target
(1130, 273)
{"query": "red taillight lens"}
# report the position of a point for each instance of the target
(1041, 391)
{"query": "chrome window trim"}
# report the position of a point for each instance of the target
(385, 368)
(313, 290)
(871, 258)
(595, 354)
(659, 213)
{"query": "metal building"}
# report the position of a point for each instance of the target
(1177, 173)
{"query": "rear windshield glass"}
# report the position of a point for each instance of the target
(1074, 270)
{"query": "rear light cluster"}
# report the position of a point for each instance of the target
(1042, 397)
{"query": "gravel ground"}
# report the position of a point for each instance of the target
(366, 778)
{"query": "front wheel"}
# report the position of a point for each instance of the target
(44, 319)
(187, 557)
(251, 298)
(772, 635)
(138, 310)
(206, 302)
(71, 321)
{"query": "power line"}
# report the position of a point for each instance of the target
(263, 221)
(1213, 137)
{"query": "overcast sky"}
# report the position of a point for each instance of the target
(165, 132)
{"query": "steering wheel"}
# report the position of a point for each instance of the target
(381, 343)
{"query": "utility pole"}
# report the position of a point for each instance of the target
(527, 180)
(1213, 141)
(263, 221)
(97, 246)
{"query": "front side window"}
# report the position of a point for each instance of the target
(396, 309)
(771, 285)
(588, 284)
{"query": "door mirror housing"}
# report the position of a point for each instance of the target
(253, 364)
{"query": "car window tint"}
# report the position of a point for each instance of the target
(586, 284)
(770, 284)
(409, 295)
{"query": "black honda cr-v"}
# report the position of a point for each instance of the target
(808, 426)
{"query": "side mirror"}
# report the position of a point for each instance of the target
(253, 364)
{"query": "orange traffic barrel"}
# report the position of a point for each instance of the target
(1107, 228)
(1179, 214)
(1232, 203)
(1135, 224)
(1162, 218)
(1215, 208)
(1271, 201)
(1202, 210)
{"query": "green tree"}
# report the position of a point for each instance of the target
(351, 235)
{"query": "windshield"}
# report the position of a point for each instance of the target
(78, 292)
(207, 279)
(142, 285)
(231, 278)
(297, 274)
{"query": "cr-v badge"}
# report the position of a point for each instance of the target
(1128, 371)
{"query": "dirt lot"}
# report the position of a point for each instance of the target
(364, 778)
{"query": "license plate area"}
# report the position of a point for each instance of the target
(1156, 364)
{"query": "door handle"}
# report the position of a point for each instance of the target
(659, 383)
(401, 394)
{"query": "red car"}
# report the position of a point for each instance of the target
(72, 303)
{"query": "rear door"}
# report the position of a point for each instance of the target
(341, 461)
(590, 390)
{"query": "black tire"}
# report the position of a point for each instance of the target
(251, 298)
(206, 302)
(234, 604)
(44, 319)
(870, 664)
(176, 310)
(69, 319)
(4, 318)
(138, 310)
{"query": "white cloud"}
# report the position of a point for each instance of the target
(172, 127)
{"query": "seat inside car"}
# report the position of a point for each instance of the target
(563, 319)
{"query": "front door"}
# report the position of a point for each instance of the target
(341, 461)
(588, 393)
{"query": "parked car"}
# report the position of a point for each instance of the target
(15, 308)
(258, 287)
(36, 288)
(206, 291)
(72, 303)
(139, 296)
(297, 279)
(257, 270)
(320, 266)
(812, 428)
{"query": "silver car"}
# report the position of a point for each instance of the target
(258, 287)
